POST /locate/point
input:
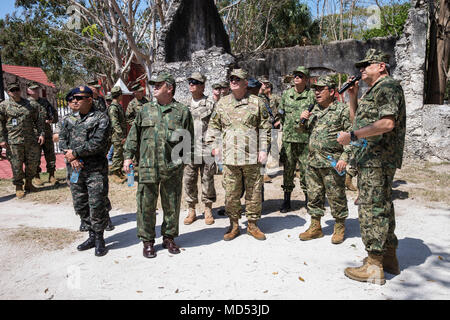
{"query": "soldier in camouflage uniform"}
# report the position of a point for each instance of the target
(118, 134)
(326, 120)
(224, 88)
(99, 102)
(380, 117)
(201, 109)
(242, 121)
(83, 140)
(156, 132)
(49, 115)
(274, 99)
(22, 131)
(135, 105)
(294, 149)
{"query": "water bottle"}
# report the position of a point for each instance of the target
(75, 174)
(130, 176)
(333, 164)
(218, 160)
(360, 143)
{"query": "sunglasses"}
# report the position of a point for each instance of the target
(195, 82)
(299, 75)
(235, 79)
(14, 90)
(320, 89)
(79, 98)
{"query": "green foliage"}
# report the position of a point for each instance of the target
(393, 19)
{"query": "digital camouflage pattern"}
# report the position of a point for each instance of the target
(240, 129)
(100, 104)
(384, 98)
(155, 133)
(236, 178)
(133, 107)
(201, 113)
(118, 133)
(291, 155)
(87, 137)
(376, 209)
(20, 127)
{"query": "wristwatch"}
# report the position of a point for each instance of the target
(353, 137)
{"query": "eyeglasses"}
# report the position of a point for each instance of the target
(320, 89)
(79, 98)
(235, 79)
(195, 82)
(299, 75)
(14, 90)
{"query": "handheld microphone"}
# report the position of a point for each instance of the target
(349, 84)
(311, 106)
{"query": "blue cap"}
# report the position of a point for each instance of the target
(253, 83)
(69, 94)
(82, 89)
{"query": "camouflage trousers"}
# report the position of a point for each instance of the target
(117, 158)
(89, 196)
(235, 178)
(190, 178)
(293, 153)
(351, 168)
(376, 210)
(20, 154)
(326, 181)
(49, 153)
(147, 198)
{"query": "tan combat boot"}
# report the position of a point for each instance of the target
(349, 184)
(314, 231)
(339, 231)
(254, 231)
(117, 178)
(37, 180)
(191, 217)
(371, 271)
(209, 219)
(19, 192)
(51, 178)
(390, 261)
(233, 230)
(29, 186)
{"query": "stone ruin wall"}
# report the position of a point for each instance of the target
(205, 48)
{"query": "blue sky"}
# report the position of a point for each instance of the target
(7, 6)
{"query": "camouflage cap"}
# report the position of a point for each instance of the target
(162, 77)
(137, 87)
(264, 79)
(240, 73)
(13, 85)
(325, 81)
(108, 96)
(373, 56)
(116, 91)
(224, 84)
(198, 76)
(33, 86)
(93, 83)
(253, 83)
(301, 69)
(216, 85)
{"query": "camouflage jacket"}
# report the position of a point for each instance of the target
(323, 127)
(201, 115)
(291, 107)
(20, 122)
(133, 107)
(384, 98)
(118, 122)
(156, 133)
(240, 128)
(47, 112)
(87, 136)
(100, 104)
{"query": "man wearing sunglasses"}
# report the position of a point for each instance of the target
(22, 130)
(85, 144)
(156, 133)
(50, 115)
(379, 117)
(294, 149)
(240, 129)
(201, 108)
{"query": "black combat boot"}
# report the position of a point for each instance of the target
(109, 226)
(100, 249)
(286, 203)
(89, 243)
(84, 226)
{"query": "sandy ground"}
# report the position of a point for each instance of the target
(282, 267)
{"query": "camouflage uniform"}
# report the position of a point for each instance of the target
(119, 132)
(294, 149)
(48, 112)
(21, 125)
(201, 115)
(87, 136)
(321, 178)
(154, 132)
(244, 127)
(100, 104)
(133, 108)
(378, 162)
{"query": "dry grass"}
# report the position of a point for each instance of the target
(49, 239)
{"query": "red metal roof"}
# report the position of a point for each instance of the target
(29, 73)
